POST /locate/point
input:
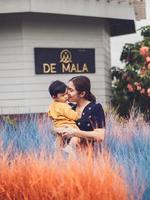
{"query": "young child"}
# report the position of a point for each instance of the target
(61, 113)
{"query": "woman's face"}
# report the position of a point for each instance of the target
(73, 95)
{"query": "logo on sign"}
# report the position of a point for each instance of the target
(65, 56)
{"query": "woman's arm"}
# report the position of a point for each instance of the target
(97, 134)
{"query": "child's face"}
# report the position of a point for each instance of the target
(62, 97)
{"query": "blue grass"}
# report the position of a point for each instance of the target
(128, 144)
(24, 136)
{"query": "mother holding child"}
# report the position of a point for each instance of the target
(81, 122)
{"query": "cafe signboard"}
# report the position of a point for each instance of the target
(64, 60)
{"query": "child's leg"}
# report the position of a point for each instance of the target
(72, 146)
(74, 142)
(59, 142)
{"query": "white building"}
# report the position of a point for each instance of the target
(63, 24)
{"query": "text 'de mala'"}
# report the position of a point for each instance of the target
(64, 60)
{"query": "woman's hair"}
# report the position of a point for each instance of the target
(57, 87)
(83, 84)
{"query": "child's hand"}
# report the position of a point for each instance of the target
(59, 131)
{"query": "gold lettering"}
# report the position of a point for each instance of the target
(53, 68)
(78, 70)
(73, 68)
(49, 68)
(65, 68)
(85, 68)
(46, 68)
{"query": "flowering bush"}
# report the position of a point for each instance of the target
(131, 85)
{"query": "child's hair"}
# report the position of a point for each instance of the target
(57, 87)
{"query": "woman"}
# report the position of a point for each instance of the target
(92, 119)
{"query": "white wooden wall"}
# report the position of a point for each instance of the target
(21, 90)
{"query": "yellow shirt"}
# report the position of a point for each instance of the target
(62, 114)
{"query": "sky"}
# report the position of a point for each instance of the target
(118, 42)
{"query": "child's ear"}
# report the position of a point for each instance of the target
(54, 97)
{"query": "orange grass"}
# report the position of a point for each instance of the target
(33, 177)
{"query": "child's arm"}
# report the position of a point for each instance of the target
(49, 112)
(69, 113)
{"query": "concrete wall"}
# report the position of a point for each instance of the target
(21, 90)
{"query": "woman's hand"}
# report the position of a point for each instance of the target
(99, 134)
(69, 132)
(66, 132)
(59, 131)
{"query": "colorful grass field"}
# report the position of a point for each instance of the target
(31, 169)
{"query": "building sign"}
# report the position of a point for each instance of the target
(64, 61)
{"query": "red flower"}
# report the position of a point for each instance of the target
(148, 92)
(147, 59)
(144, 51)
(142, 91)
(148, 66)
(130, 87)
(138, 86)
